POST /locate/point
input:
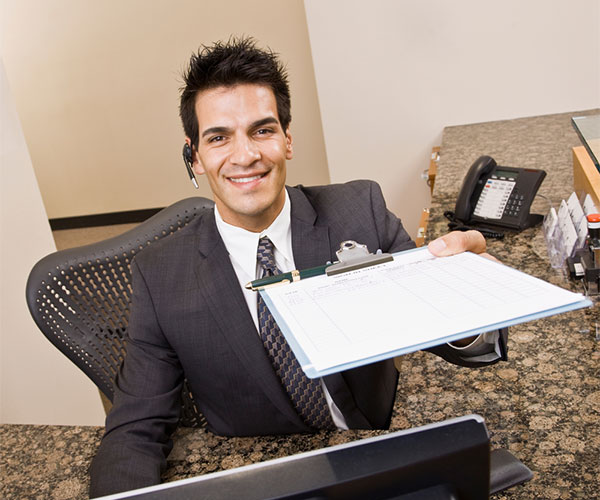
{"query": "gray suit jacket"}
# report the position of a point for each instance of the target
(189, 317)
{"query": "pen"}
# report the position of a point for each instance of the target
(282, 278)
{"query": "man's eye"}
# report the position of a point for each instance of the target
(264, 131)
(216, 138)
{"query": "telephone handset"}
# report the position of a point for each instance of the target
(498, 196)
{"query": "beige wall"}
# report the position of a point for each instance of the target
(96, 87)
(391, 74)
(38, 385)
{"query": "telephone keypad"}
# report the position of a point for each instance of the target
(514, 204)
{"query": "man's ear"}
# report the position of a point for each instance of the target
(196, 165)
(289, 149)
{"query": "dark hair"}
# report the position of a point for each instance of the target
(238, 61)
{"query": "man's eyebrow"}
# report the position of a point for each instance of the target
(215, 130)
(265, 121)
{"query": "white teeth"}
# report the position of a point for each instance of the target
(245, 179)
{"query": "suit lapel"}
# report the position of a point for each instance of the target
(220, 288)
(310, 243)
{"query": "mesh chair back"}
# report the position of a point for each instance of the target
(80, 297)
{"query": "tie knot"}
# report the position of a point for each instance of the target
(266, 256)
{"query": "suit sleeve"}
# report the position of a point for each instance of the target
(394, 238)
(481, 352)
(146, 404)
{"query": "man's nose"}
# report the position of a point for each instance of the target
(244, 151)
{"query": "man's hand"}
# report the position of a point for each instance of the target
(459, 241)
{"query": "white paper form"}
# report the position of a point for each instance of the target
(333, 323)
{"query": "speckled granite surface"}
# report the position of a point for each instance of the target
(543, 404)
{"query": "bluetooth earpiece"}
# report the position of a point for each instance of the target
(187, 159)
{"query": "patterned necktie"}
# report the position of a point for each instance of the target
(306, 394)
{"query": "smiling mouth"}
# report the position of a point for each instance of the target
(242, 180)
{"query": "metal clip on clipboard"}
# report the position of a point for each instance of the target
(352, 256)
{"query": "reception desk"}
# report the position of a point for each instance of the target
(543, 404)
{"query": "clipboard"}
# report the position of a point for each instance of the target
(378, 306)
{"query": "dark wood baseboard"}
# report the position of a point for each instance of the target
(108, 219)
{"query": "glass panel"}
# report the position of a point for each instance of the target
(588, 128)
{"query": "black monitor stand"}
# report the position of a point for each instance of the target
(446, 460)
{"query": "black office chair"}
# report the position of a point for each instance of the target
(80, 297)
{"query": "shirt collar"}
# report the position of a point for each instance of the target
(242, 244)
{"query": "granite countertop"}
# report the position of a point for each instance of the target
(543, 404)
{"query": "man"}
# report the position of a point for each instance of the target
(191, 316)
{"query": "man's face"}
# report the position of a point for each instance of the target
(242, 149)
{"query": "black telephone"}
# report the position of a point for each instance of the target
(497, 196)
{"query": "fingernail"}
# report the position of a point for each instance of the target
(437, 246)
